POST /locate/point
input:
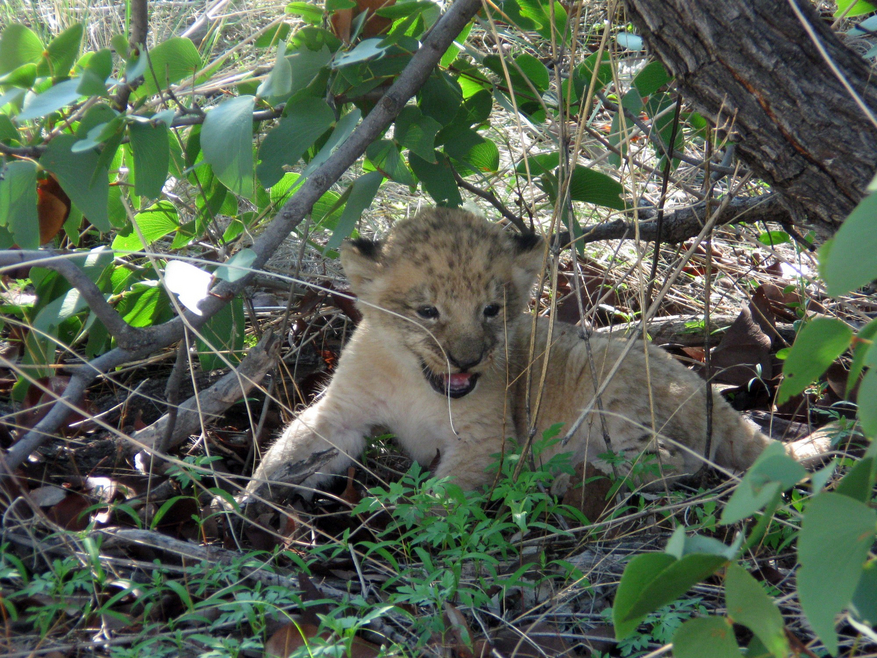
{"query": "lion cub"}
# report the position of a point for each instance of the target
(441, 358)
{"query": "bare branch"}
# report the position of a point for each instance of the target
(685, 223)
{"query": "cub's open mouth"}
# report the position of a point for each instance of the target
(454, 385)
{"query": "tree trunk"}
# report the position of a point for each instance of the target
(751, 66)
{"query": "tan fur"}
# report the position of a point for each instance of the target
(460, 264)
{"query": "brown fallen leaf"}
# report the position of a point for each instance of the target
(53, 208)
(291, 637)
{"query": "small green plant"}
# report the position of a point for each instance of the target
(659, 626)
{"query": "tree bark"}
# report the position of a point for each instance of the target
(752, 67)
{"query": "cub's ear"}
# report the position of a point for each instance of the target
(361, 260)
(528, 258)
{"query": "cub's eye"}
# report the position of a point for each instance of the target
(428, 312)
(491, 310)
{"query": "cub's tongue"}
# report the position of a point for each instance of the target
(458, 380)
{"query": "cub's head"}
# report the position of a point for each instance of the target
(449, 286)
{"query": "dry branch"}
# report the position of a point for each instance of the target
(211, 402)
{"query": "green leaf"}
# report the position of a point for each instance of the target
(415, 131)
(51, 100)
(594, 187)
(859, 8)
(863, 346)
(223, 337)
(851, 260)
(149, 143)
(24, 76)
(771, 474)
(650, 79)
(82, 177)
(237, 267)
(63, 51)
(304, 122)
(274, 35)
(227, 143)
(437, 179)
(868, 402)
(310, 13)
(816, 347)
(343, 129)
(18, 46)
(707, 637)
(169, 62)
(533, 70)
(657, 581)
(858, 483)
(362, 193)
(278, 84)
(836, 533)
(58, 310)
(18, 203)
(154, 223)
(639, 572)
(142, 305)
(470, 148)
(97, 68)
(440, 98)
(864, 601)
(773, 238)
(749, 604)
(386, 158)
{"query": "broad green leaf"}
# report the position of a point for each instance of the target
(657, 579)
(749, 604)
(437, 180)
(8, 131)
(149, 143)
(858, 483)
(594, 187)
(859, 8)
(155, 222)
(851, 259)
(836, 534)
(63, 51)
(82, 177)
(278, 84)
(816, 347)
(679, 545)
(864, 602)
(771, 474)
(24, 76)
(170, 61)
(227, 143)
(97, 68)
(223, 333)
(475, 109)
(274, 35)
(639, 572)
(632, 102)
(534, 70)
(18, 203)
(868, 402)
(440, 98)
(364, 51)
(304, 122)
(362, 193)
(773, 238)
(470, 148)
(58, 310)
(18, 46)
(415, 131)
(143, 305)
(405, 9)
(385, 157)
(311, 13)
(237, 267)
(343, 129)
(707, 637)
(54, 98)
(863, 345)
(651, 78)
